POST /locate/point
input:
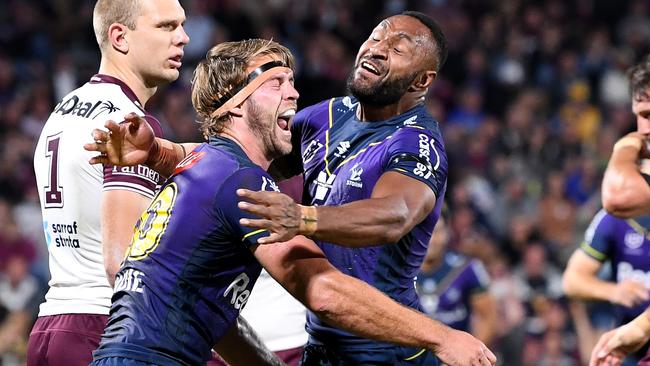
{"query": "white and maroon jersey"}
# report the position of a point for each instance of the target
(276, 316)
(70, 191)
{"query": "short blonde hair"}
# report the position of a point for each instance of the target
(221, 73)
(107, 12)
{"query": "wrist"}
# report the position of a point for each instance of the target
(308, 220)
(154, 153)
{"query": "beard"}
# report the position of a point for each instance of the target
(262, 124)
(384, 92)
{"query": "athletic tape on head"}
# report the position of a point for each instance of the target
(256, 78)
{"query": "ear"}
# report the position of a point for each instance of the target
(423, 81)
(238, 111)
(117, 37)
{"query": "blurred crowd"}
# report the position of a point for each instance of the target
(531, 100)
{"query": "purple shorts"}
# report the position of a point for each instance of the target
(290, 356)
(65, 340)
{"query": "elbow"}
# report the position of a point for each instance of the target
(111, 272)
(568, 286)
(618, 204)
(323, 294)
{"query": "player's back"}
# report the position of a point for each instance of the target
(70, 192)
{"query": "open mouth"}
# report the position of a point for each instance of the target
(285, 118)
(371, 68)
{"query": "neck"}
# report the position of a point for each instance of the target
(250, 144)
(130, 78)
(373, 113)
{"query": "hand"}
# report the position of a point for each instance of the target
(461, 349)
(630, 293)
(615, 345)
(280, 214)
(637, 140)
(126, 143)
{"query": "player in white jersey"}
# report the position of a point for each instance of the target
(89, 211)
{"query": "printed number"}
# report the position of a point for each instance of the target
(152, 224)
(53, 191)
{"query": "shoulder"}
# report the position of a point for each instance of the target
(323, 109)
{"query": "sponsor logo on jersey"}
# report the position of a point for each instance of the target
(62, 235)
(347, 101)
(355, 176)
(240, 293)
(626, 271)
(311, 150)
(77, 107)
(323, 185)
(410, 121)
(425, 145)
(633, 240)
(190, 160)
(269, 183)
(139, 171)
(342, 149)
(129, 280)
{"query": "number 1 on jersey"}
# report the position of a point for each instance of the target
(53, 191)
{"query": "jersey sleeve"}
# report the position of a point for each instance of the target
(415, 152)
(480, 280)
(598, 241)
(253, 179)
(139, 179)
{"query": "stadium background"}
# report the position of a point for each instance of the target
(531, 100)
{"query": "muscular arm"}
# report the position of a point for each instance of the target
(120, 211)
(625, 192)
(396, 205)
(241, 346)
(354, 306)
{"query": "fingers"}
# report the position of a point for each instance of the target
(264, 197)
(254, 209)
(492, 358)
(256, 223)
(133, 118)
(272, 239)
(94, 146)
(101, 159)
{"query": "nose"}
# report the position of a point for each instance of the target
(379, 50)
(291, 93)
(183, 38)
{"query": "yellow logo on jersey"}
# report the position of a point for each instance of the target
(152, 224)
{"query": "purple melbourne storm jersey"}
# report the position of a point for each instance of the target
(626, 244)
(189, 270)
(446, 291)
(342, 160)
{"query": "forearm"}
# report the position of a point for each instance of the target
(352, 305)
(120, 212)
(363, 223)
(241, 346)
(585, 287)
(624, 191)
(165, 155)
(643, 322)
